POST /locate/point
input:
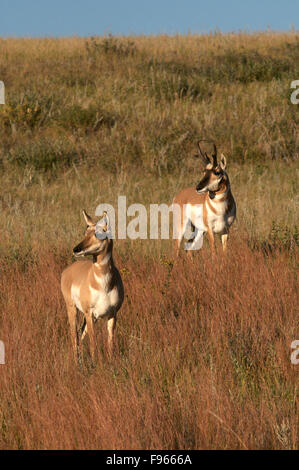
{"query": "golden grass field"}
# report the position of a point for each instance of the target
(203, 350)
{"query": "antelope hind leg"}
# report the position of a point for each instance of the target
(111, 324)
(212, 241)
(224, 238)
(90, 331)
(72, 316)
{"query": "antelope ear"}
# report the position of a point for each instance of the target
(87, 218)
(103, 229)
(107, 220)
(223, 162)
(107, 229)
(104, 222)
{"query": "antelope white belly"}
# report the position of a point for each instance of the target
(218, 225)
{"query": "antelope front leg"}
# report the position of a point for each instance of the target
(111, 324)
(177, 244)
(90, 331)
(212, 241)
(83, 330)
(72, 315)
(224, 238)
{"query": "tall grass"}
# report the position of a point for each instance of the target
(203, 350)
(202, 361)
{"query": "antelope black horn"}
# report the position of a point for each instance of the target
(214, 155)
(201, 153)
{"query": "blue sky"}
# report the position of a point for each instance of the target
(99, 17)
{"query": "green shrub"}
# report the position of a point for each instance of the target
(90, 119)
(231, 66)
(28, 110)
(170, 81)
(283, 236)
(43, 155)
(244, 67)
(110, 45)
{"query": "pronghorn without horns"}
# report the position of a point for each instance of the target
(208, 207)
(93, 287)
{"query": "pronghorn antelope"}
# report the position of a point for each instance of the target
(210, 207)
(93, 287)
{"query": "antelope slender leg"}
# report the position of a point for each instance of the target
(180, 234)
(224, 238)
(78, 333)
(83, 330)
(177, 246)
(212, 241)
(90, 331)
(177, 228)
(111, 324)
(72, 315)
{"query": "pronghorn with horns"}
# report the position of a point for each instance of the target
(93, 287)
(210, 207)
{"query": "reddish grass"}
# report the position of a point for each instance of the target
(202, 360)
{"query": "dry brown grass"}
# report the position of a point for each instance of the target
(89, 119)
(203, 358)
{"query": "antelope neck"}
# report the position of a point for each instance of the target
(103, 260)
(222, 191)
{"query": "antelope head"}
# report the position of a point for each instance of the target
(96, 238)
(214, 173)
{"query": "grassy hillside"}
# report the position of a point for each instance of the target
(88, 119)
(203, 355)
